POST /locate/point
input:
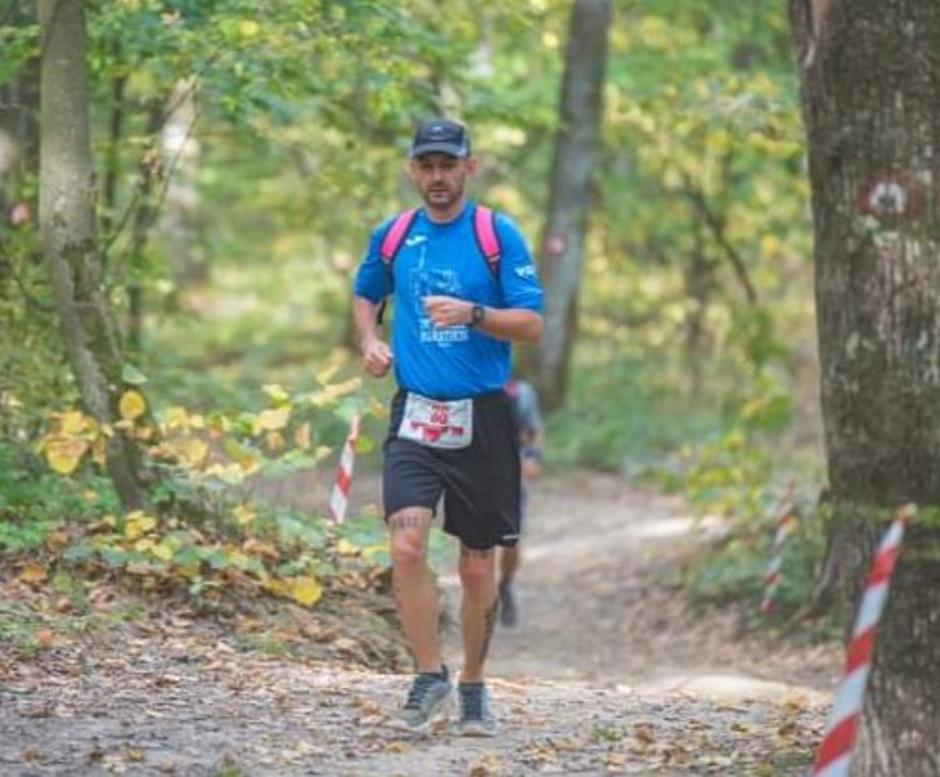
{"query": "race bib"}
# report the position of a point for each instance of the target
(437, 424)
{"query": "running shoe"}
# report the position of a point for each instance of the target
(430, 697)
(476, 717)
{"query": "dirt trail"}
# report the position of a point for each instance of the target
(609, 672)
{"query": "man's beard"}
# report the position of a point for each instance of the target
(437, 201)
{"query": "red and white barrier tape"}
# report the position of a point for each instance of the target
(774, 574)
(344, 472)
(835, 752)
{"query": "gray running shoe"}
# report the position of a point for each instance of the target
(430, 697)
(508, 612)
(476, 717)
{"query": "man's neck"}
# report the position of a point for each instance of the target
(446, 215)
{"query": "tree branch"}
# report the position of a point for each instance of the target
(716, 226)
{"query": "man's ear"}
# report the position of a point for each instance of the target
(472, 165)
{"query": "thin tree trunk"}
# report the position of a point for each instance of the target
(181, 162)
(562, 250)
(19, 121)
(871, 79)
(68, 230)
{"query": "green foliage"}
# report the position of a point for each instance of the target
(696, 288)
(622, 415)
(34, 502)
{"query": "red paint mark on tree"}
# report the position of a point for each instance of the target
(556, 244)
(891, 197)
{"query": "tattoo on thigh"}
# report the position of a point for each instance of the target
(406, 521)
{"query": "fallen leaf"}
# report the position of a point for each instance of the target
(33, 574)
(45, 638)
(132, 405)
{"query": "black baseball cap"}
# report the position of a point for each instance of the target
(440, 136)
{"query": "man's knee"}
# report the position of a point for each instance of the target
(409, 530)
(476, 569)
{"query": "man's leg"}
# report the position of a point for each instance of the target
(414, 589)
(477, 620)
(431, 691)
(478, 609)
(508, 564)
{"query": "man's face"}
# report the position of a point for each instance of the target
(440, 178)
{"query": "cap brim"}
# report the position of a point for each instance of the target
(451, 149)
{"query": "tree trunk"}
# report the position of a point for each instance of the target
(181, 162)
(562, 250)
(19, 120)
(871, 79)
(68, 233)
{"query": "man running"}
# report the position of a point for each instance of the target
(525, 404)
(451, 433)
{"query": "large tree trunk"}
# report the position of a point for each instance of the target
(68, 233)
(871, 82)
(562, 249)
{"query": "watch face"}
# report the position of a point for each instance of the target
(477, 314)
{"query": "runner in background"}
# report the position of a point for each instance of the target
(525, 405)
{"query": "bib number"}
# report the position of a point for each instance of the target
(437, 424)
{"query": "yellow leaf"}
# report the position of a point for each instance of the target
(276, 392)
(143, 545)
(191, 451)
(345, 548)
(277, 587)
(374, 551)
(71, 423)
(106, 523)
(143, 433)
(378, 409)
(241, 455)
(323, 377)
(305, 590)
(249, 28)
(64, 454)
(163, 551)
(322, 452)
(137, 524)
(176, 418)
(302, 437)
(33, 574)
(244, 514)
(274, 419)
(132, 405)
(335, 391)
(274, 442)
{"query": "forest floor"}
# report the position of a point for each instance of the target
(610, 671)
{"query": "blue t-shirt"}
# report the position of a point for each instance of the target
(457, 361)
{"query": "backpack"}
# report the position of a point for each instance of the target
(484, 230)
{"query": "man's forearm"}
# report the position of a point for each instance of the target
(515, 324)
(364, 314)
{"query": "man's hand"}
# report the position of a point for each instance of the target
(448, 311)
(531, 468)
(376, 357)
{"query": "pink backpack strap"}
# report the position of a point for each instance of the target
(484, 227)
(395, 235)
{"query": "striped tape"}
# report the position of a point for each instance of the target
(835, 752)
(339, 499)
(786, 523)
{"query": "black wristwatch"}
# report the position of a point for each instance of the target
(477, 314)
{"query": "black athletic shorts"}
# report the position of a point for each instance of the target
(480, 483)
